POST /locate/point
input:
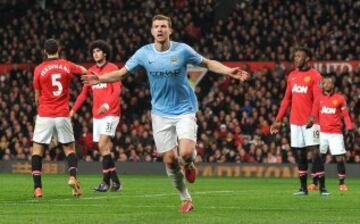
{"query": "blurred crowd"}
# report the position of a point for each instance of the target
(234, 119)
(254, 30)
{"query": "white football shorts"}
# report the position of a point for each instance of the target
(334, 142)
(167, 130)
(301, 137)
(59, 127)
(105, 126)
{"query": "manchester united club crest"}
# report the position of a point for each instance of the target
(173, 59)
(335, 102)
(307, 79)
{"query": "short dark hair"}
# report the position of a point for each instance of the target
(103, 46)
(304, 49)
(329, 76)
(162, 17)
(51, 46)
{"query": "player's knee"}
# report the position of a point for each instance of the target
(69, 148)
(170, 160)
(104, 145)
(37, 149)
(187, 152)
(316, 153)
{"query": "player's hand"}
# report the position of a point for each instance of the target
(237, 73)
(92, 79)
(310, 123)
(350, 135)
(103, 109)
(72, 113)
(275, 127)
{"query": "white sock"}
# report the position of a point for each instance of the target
(178, 180)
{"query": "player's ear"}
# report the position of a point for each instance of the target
(152, 31)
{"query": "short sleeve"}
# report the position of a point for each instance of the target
(135, 61)
(74, 69)
(36, 82)
(192, 56)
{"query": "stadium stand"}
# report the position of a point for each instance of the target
(256, 30)
(233, 120)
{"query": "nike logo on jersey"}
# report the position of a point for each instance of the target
(328, 110)
(299, 89)
(99, 86)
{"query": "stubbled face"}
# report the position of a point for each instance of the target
(328, 85)
(300, 59)
(161, 31)
(98, 55)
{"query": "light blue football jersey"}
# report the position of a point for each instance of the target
(171, 93)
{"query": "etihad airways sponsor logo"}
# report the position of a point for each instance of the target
(299, 89)
(166, 73)
(328, 110)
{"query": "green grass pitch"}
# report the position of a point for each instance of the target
(152, 199)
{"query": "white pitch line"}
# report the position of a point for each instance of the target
(212, 207)
(111, 196)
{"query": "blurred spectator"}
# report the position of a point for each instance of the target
(256, 30)
(228, 132)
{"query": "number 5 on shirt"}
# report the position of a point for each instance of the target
(56, 83)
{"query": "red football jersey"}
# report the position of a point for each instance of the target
(302, 89)
(103, 93)
(329, 109)
(52, 78)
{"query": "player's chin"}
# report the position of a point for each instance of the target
(161, 40)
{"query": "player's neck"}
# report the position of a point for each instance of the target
(304, 68)
(53, 56)
(329, 93)
(101, 63)
(164, 46)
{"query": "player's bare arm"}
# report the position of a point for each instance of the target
(220, 68)
(83, 69)
(37, 95)
(114, 76)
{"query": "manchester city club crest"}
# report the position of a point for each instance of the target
(173, 59)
